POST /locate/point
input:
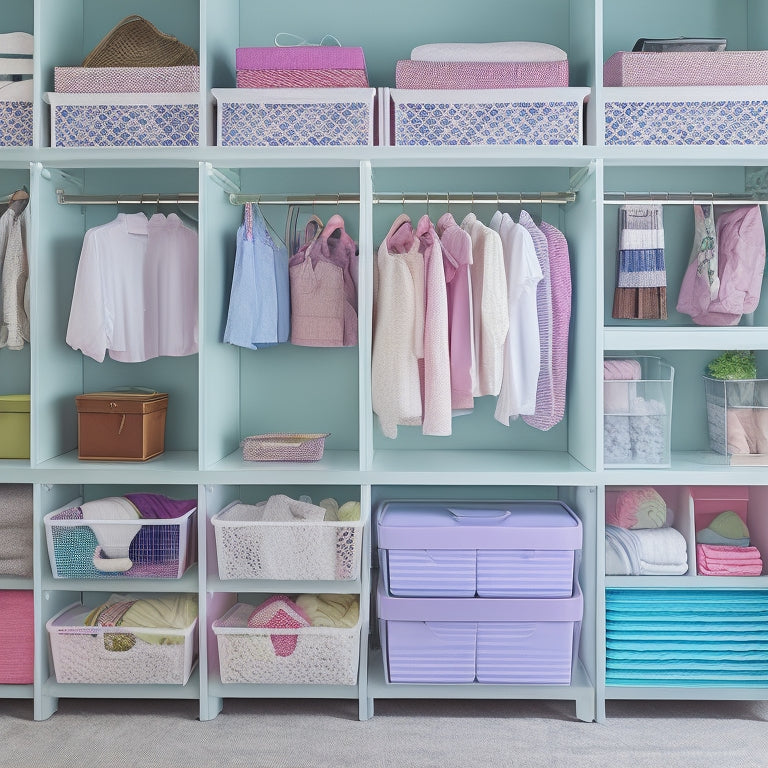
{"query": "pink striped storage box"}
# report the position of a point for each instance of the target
(303, 66)
(679, 68)
(447, 75)
(17, 637)
(126, 79)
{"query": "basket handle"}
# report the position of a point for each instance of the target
(479, 516)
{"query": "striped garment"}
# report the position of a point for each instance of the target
(544, 417)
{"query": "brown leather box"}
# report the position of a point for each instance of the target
(121, 426)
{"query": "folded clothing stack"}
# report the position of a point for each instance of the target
(446, 66)
(280, 612)
(16, 529)
(638, 539)
(301, 66)
(723, 548)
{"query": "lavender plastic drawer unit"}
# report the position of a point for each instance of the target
(700, 115)
(124, 119)
(540, 116)
(288, 117)
(490, 549)
(513, 641)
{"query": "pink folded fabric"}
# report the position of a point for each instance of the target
(723, 560)
(17, 637)
(448, 75)
(300, 57)
(279, 612)
(614, 370)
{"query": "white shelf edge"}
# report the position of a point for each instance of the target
(662, 338)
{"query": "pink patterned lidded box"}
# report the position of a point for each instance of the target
(679, 68)
(183, 79)
(447, 75)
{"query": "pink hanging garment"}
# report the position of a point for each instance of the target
(544, 418)
(701, 282)
(457, 256)
(560, 279)
(435, 366)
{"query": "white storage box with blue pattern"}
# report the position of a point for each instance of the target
(537, 116)
(699, 115)
(292, 117)
(488, 549)
(124, 119)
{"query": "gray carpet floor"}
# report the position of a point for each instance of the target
(411, 734)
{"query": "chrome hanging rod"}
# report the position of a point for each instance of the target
(682, 198)
(412, 198)
(182, 198)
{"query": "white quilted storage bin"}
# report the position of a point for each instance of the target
(702, 115)
(539, 116)
(249, 548)
(126, 655)
(286, 117)
(322, 655)
(124, 119)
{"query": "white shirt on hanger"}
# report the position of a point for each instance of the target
(522, 354)
(136, 290)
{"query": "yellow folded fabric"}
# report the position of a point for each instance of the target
(330, 610)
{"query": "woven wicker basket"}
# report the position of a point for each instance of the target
(135, 42)
(284, 446)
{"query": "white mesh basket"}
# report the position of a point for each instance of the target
(308, 550)
(125, 655)
(323, 655)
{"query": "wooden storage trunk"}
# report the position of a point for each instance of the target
(121, 426)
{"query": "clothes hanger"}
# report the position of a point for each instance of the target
(18, 201)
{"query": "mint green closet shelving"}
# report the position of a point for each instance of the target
(224, 393)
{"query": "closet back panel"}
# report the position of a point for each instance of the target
(391, 30)
(626, 21)
(59, 256)
(478, 430)
(15, 364)
(678, 230)
(18, 17)
(284, 388)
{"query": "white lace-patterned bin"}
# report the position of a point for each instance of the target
(119, 655)
(16, 114)
(124, 119)
(321, 656)
(247, 548)
(287, 117)
(698, 115)
(538, 116)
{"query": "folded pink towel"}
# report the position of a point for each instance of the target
(279, 612)
(721, 560)
(614, 370)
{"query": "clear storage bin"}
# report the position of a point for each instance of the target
(737, 419)
(637, 416)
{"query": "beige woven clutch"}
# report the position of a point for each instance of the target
(284, 446)
(135, 42)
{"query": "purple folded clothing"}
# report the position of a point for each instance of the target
(300, 57)
(156, 506)
(461, 75)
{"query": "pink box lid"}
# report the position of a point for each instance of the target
(300, 57)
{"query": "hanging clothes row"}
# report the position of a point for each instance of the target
(14, 273)
(310, 298)
(465, 311)
(136, 290)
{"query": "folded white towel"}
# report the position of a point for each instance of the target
(507, 51)
(645, 552)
